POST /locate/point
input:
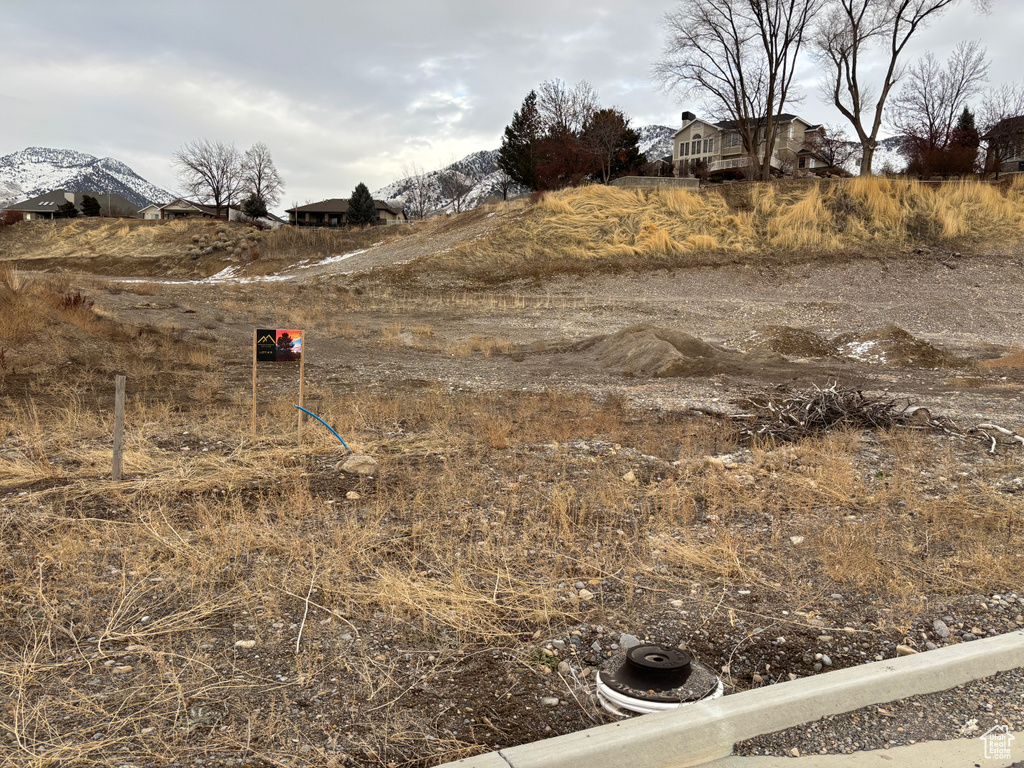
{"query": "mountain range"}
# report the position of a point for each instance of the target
(480, 172)
(36, 170)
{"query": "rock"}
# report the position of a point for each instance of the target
(904, 650)
(358, 464)
(941, 629)
(826, 660)
(563, 668)
(629, 477)
(795, 752)
(245, 644)
(123, 670)
(676, 603)
(558, 644)
(549, 701)
(797, 540)
(586, 594)
(712, 463)
(352, 495)
(757, 678)
(628, 641)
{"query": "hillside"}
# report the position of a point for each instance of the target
(36, 170)
(480, 171)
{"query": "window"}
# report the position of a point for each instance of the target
(732, 139)
(695, 144)
(684, 147)
(802, 163)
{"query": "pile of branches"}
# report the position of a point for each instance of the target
(794, 415)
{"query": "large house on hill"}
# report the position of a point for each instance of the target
(1006, 145)
(180, 208)
(334, 213)
(719, 146)
(45, 206)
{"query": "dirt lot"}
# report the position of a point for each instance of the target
(552, 476)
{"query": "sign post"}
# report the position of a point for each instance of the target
(278, 346)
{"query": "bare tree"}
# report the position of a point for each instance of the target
(565, 110)
(856, 35)
(503, 184)
(416, 196)
(831, 144)
(260, 177)
(740, 56)
(209, 171)
(457, 181)
(1002, 124)
(926, 109)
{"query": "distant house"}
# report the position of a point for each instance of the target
(45, 206)
(719, 146)
(180, 208)
(334, 213)
(1005, 145)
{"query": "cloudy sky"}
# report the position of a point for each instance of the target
(343, 92)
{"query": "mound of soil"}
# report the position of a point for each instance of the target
(1014, 360)
(792, 342)
(651, 351)
(894, 346)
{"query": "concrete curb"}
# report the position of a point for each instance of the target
(707, 730)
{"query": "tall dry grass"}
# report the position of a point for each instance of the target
(609, 228)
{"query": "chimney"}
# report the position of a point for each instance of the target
(69, 196)
(688, 116)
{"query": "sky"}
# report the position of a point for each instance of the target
(344, 92)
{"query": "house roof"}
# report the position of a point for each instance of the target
(1007, 126)
(50, 201)
(338, 205)
(785, 117)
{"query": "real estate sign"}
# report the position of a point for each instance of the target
(278, 346)
(272, 345)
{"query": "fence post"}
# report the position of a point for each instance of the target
(118, 425)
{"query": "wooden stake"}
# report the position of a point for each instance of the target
(302, 381)
(118, 425)
(254, 384)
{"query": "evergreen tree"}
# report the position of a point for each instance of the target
(66, 211)
(518, 154)
(90, 206)
(254, 207)
(361, 209)
(963, 145)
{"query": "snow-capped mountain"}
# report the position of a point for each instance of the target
(887, 158)
(36, 170)
(655, 140)
(479, 171)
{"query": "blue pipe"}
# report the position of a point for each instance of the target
(326, 425)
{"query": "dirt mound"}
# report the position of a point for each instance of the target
(894, 346)
(647, 350)
(792, 342)
(1013, 360)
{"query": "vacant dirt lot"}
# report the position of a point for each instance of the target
(552, 475)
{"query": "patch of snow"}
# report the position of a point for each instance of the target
(864, 351)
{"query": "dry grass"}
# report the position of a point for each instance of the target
(609, 228)
(122, 603)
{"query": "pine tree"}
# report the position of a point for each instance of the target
(518, 154)
(90, 206)
(963, 145)
(66, 211)
(254, 207)
(361, 209)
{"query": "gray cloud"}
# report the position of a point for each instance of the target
(343, 92)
